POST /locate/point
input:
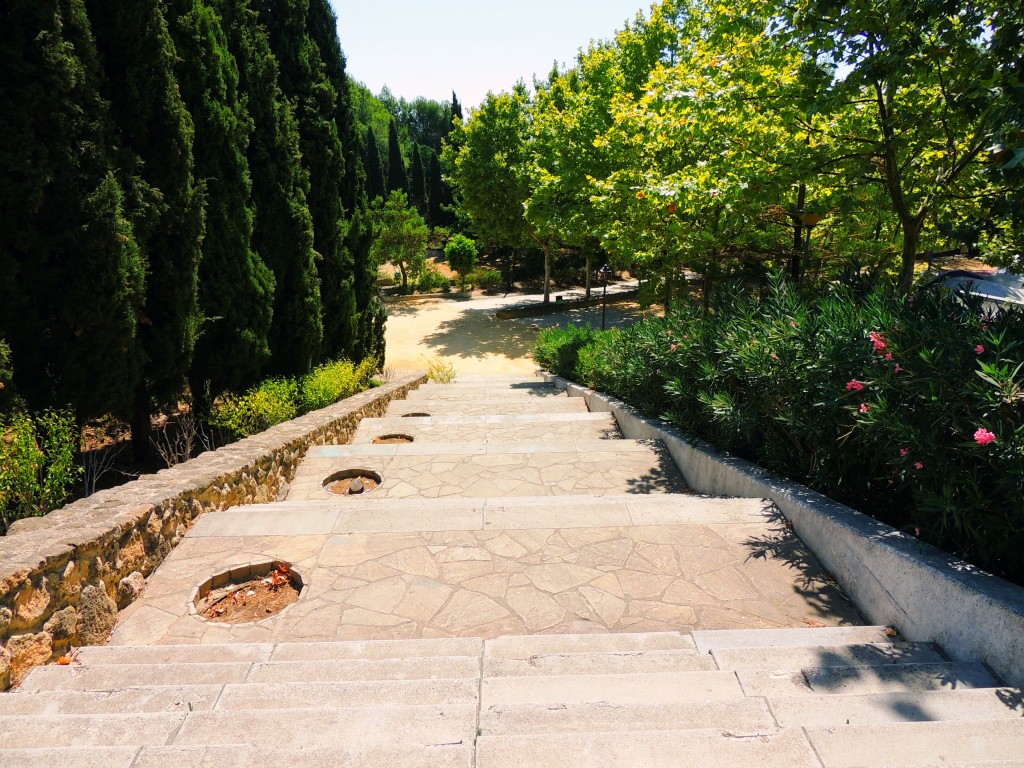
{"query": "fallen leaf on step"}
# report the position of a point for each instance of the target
(890, 632)
(813, 623)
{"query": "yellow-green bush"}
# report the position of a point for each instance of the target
(271, 402)
(333, 382)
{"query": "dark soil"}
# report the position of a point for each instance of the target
(342, 487)
(392, 440)
(250, 601)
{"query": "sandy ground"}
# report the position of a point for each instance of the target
(466, 334)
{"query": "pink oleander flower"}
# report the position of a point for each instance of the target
(672, 348)
(984, 437)
(864, 407)
(918, 465)
(980, 349)
(854, 386)
(774, 356)
(878, 340)
(917, 531)
(904, 452)
(898, 368)
(888, 355)
(669, 332)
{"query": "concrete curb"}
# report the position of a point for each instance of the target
(894, 579)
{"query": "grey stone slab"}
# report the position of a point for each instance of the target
(79, 757)
(456, 755)
(861, 680)
(787, 638)
(686, 509)
(526, 719)
(169, 698)
(484, 393)
(428, 517)
(916, 744)
(358, 693)
(174, 654)
(525, 646)
(650, 749)
(421, 668)
(119, 730)
(610, 662)
(616, 690)
(109, 677)
(870, 654)
(379, 649)
(265, 520)
(827, 710)
(388, 723)
(564, 513)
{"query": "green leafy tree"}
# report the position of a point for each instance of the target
(73, 275)
(460, 252)
(417, 182)
(236, 288)
(436, 215)
(168, 216)
(398, 179)
(400, 236)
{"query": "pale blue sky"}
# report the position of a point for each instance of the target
(432, 48)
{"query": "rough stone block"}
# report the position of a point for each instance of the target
(130, 588)
(97, 615)
(28, 651)
(63, 624)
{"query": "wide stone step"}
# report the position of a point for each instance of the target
(253, 652)
(611, 689)
(829, 710)
(863, 654)
(711, 748)
(527, 646)
(489, 379)
(117, 730)
(862, 680)
(919, 744)
(483, 470)
(106, 677)
(241, 756)
(526, 719)
(435, 407)
(484, 393)
(312, 517)
(526, 427)
(724, 639)
(612, 662)
(141, 700)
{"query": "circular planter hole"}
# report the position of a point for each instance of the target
(352, 482)
(246, 594)
(392, 439)
(415, 415)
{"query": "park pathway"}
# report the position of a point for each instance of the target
(523, 588)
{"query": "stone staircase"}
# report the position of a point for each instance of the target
(800, 695)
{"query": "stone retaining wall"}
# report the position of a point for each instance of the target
(64, 576)
(893, 578)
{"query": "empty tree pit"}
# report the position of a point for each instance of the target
(352, 482)
(247, 593)
(392, 439)
(416, 415)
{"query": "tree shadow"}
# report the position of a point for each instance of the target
(478, 332)
(663, 477)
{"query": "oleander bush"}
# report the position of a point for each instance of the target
(908, 409)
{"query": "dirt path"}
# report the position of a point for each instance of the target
(466, 333)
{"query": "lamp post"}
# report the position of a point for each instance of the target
(604, 272)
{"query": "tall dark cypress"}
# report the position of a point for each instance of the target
(236, 289)
(417, 182)
(283, 227)
(376, 186)
(152, 122)
(435, 193)
(71, 274)
(398, 178)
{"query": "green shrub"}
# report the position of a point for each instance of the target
(271, 402)
(460, 252)
(488, 279)
(332, 382)
(37, 463)
(910, 410)
(430, 279)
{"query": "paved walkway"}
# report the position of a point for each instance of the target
(514, 511)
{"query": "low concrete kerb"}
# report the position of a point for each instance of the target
(893, 578)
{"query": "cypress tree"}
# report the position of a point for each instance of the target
(398, 179)
(456, 107)
(72, 274)
(151, 120)
(435, 193)
(375, 184)
(357, 330)
(283, 227)
(236, 289)
(417, 182)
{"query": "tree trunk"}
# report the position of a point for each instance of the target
(590, 259)
(547, 271)
(911, 241)
(405, 280)
(798, 233)
(142, 430)
(669, 285)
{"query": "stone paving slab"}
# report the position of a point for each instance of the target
(486, 583)
(484, 470)
(353, 755)
(497, 407)
(529, 427)
(485, 394)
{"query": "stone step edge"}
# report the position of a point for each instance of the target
(736, 639)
